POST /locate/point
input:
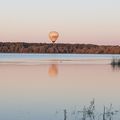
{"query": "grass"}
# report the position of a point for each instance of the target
(115, 63)
(89, 113)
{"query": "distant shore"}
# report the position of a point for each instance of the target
(21, 47)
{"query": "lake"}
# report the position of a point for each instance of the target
(44, 86)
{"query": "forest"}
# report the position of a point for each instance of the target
(21, 47)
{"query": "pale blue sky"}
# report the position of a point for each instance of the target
(81, 21)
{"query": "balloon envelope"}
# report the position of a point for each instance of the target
(53, 36)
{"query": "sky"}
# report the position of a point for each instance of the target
(77, 21)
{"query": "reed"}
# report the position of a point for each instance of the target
(115, 63)
(90, 113)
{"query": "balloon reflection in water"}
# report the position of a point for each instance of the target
(53, 70)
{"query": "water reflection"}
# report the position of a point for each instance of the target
(116, 67)
(115, 64)
(53, 70)
(29, 89)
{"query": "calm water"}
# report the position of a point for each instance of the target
(43, 90)
(8, 57)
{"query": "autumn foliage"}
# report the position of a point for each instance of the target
(20, 47)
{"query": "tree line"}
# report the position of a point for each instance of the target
(21, 47)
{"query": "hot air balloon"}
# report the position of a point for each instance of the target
(53, 36)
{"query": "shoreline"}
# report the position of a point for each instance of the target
(57, 62)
